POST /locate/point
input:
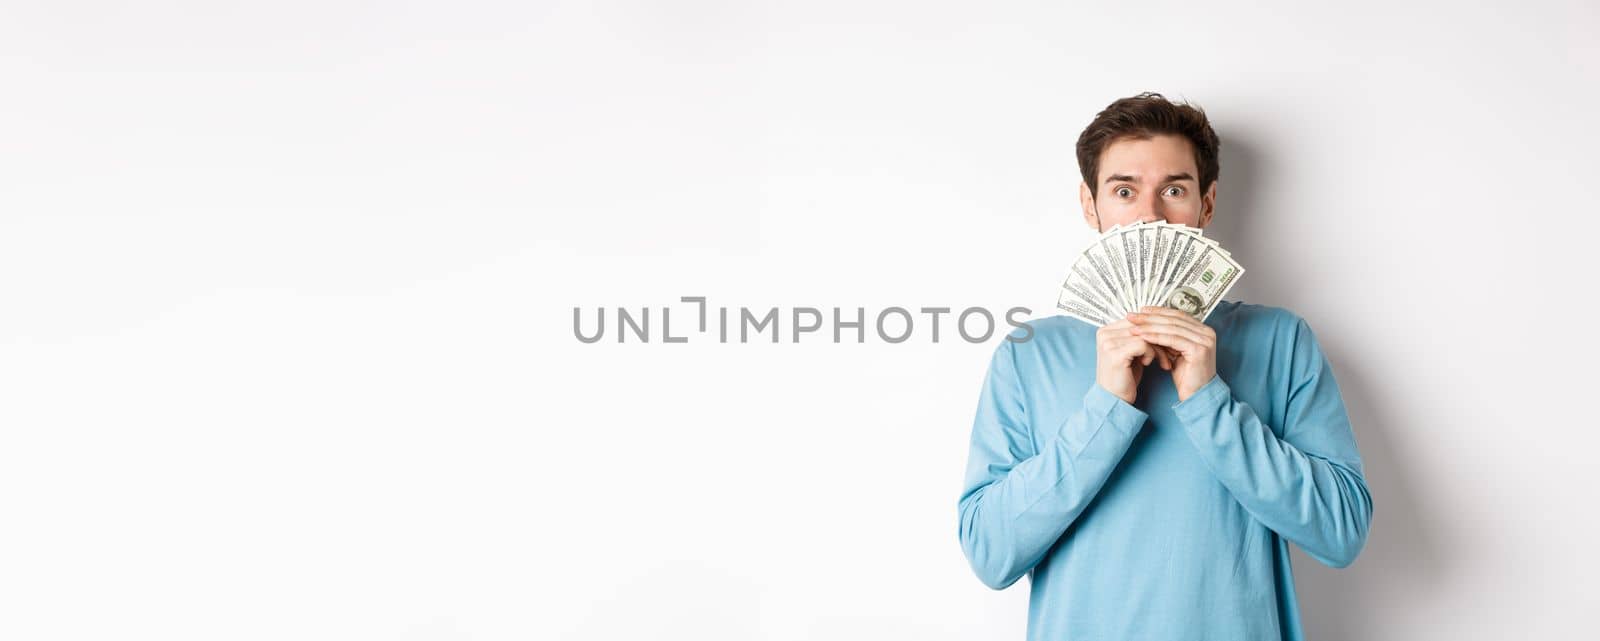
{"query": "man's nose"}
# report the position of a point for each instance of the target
(1151, 210)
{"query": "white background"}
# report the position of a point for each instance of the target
(286, 298)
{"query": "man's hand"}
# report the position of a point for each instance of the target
(1194, 342)
(1120, 358)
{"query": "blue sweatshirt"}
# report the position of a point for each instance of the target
(1162, 519)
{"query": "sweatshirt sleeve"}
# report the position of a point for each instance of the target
(1017, 502)
(1308, 486)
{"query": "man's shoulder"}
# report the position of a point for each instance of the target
(1048, 344)
(1258, 314)
(1268, 324)
(1051, 329)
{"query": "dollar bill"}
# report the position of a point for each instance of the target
(1198, 290)
(1156, 263)
(1103, 265)
(1187, 246)
(1091, 287)
(1075, 308)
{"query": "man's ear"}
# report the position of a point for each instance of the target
(1208, 204)
(1086, 198)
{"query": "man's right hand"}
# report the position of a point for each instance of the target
(1120, 359)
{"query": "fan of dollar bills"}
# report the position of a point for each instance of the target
(1162, 264)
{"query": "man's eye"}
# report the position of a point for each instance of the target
(1174, 191)
(1124, 192)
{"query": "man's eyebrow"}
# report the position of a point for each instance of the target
(1127, 178)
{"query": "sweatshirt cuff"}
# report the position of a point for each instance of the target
(1100, 403)
(1204, 402)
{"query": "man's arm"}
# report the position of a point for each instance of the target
(1016, 502)
(1308, 486)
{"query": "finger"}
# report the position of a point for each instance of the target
(1181, 345)
(1112, 332)
(1190, 340)
(1163, 319)
(1128, 347)
(1184, 346)
(1176, 318)
(1131, 348)
(1199, 333)
(1175, 330)
(1151, 353)
(1160, 355)
(1119, 334)
(1168, 312)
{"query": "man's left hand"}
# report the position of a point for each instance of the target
(1194, 342)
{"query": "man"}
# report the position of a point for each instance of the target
(1157, 502)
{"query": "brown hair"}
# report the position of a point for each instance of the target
(1141, 117)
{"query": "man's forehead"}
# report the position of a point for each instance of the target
(1118, 176)
(1161, 158)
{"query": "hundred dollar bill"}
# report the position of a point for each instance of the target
(1185, 248)
(1104, 268)
(1159, 236)
(1087, 285)
(1170, 235)
(1128, 238)
(1147, 250)
(1076, 308)
(1145, 237)
(1116, 257)
(1199, 288)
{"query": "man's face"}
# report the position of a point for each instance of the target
(1147, 180)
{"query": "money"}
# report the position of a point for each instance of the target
(1159, 263)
